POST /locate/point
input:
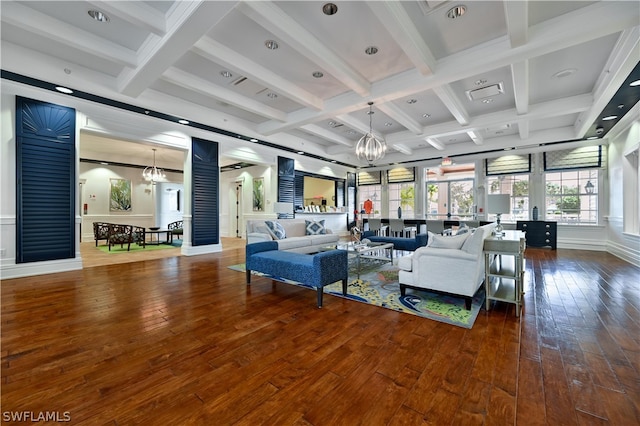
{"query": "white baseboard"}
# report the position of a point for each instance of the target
(9, 269)
(189, 250)
(625, 253)
(580, 244)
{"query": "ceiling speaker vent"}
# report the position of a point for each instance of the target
(485, 92)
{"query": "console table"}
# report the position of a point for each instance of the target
(539, 233)
(504, 268)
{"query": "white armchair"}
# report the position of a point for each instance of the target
(452, 265)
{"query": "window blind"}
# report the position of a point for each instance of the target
(369, 178)
(401, 174)
(586, 157)
(508, 165)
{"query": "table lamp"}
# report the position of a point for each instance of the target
(498, 204)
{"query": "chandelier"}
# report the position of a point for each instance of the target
(369, 148)
(152, 173)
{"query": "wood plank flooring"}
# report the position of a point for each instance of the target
(183, 340)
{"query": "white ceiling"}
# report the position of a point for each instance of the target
(558, 62)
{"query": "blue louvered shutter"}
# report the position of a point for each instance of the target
(205, 228)
(286, 183)
(45, 181)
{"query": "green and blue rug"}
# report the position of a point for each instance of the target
(378, 285)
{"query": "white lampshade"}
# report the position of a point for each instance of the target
(284, 208)
(498, 203)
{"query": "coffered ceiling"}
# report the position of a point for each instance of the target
(501, 74)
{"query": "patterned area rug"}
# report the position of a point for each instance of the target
(134, 248)
(378, 285)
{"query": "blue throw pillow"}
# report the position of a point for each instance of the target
(276, 229)
(315, 227)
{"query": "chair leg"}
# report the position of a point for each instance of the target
(344, 287)
(248, 272)
(320, 292)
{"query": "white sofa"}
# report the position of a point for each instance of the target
(452, 265)
(296, 238)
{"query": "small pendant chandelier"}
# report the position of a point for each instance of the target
(369, 148)
(152, 173)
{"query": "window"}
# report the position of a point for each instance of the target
(402, 195)
(518, 187)
(571, 197)
(450, 191)
(370, 192)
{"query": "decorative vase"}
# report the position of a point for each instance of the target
(535, 213)
(399, 212)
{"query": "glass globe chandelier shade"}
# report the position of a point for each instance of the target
(153, 173)
(369, 148)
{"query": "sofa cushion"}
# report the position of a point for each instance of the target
(293, 243)
(454, 242)
(276, 229)
(323, 239)
(314, 227)
(293, 227)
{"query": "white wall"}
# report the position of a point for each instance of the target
(624, 244)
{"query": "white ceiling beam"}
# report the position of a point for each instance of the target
(195, 83)
(517, 17)
(476, 137)
(520, 77)
(395, 113)
(540, 111)
(187, 23)
(327, 134)
(623, 59)
(397, 21)
(38, 23)
(435, 143)
(589, 23)
(216, 52)
(135, 12)
(453, 104)
(402, 149)
(287, 29)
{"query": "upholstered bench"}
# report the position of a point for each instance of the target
(399, 243)
(316, 270)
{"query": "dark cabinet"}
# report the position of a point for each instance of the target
(539, 233)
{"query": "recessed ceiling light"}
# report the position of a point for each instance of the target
(425, 115)
(98, 16)
(621, 106)
(237, 166)
(183, 121)
(371, 50)
(300, 152)
(480, 82)
(456, 11)
(318, 74)
(272, 95)
(564, 73)
(487, 101)
(253, 140)
(635, 83)
(411, 101)
(388, 124)
(226, 74)
(331, 123)
(329, 9)
(609, 117)
(271, 44)
(64, 90)
(104, 163)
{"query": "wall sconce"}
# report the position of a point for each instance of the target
(589, 187)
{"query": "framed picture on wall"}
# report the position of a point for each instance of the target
(258, 194)
(120, 195)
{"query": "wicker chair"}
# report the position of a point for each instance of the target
(121, 234)
(176, 228)
(101, 231)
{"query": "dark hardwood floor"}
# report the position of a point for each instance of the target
(183, 340)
